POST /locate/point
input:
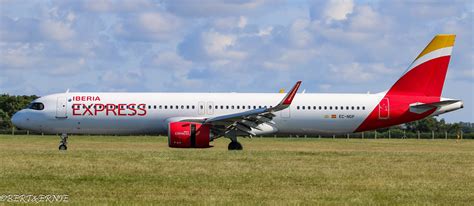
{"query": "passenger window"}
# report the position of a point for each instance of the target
(302, 107)
(216, 107)
(335, 108)
(210, 106)
(325, 107)
(166, 107)
(352, 107)
(222, 106)
(232, 107)
(202, 107)
(320, 108)
(314, 107)
(297, 107)
(227, 106)
(187, 106)
(238, 107)
(171, 106)
(149, 106)
(330, 107)
(193, 107)
(160, 107)
(347, 107)
(357, 107)
(363, 108)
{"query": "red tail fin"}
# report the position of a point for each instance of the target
(425, 76)
(422, 83)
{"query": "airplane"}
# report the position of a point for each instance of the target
(193, 120)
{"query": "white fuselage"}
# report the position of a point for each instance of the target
(65, 112)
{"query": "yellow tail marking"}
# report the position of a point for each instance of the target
(438, 42)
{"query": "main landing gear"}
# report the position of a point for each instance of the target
(63, 142)
(234, 144)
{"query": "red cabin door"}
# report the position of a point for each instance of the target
(384, 109)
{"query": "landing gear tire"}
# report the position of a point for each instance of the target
(63, 142)
(62, 147)
(234, 146)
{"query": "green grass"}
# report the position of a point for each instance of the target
(143, 170)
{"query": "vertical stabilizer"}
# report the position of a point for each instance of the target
(426, 74)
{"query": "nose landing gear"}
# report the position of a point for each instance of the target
(63, 142)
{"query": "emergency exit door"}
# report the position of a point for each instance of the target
(61, 107)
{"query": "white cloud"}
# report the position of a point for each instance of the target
(56, 30)
(265, 31)
(299, 34)
(158, 23)
(219, 45)
(208, 8)
(66, 68)
(149, 26)
(229, 23)
(356, 72)
(117, 5)
(327, 42)
(242, 22)
(365, 18)
(290, 57)
(170, 61)
(338, 9)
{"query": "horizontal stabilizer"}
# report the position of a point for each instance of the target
(420, 108)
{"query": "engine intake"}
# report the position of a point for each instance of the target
(188, 135)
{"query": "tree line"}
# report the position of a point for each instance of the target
(9, 104)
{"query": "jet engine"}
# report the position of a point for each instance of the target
(189, 135)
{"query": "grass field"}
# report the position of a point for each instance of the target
(143, 170)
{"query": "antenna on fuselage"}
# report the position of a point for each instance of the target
(67, 90)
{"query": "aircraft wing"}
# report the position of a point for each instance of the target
(245, 121)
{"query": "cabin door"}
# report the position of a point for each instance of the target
(61, 107)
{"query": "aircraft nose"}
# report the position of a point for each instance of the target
(17, 120)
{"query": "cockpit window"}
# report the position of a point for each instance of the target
(36, 106)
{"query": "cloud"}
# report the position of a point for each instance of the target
(116, 5)
(210, 8)
(56, 30)
(148, 26)
(220, 45)
(338, 9)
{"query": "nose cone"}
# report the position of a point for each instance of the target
(17, 120)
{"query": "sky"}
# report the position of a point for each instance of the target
(333, 46)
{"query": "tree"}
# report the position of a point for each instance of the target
(11, 104)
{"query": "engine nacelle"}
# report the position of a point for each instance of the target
(189, 135)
